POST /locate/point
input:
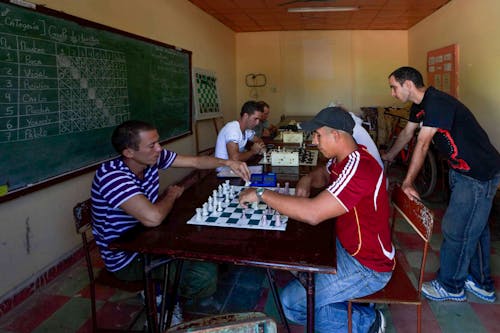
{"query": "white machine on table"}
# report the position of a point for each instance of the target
(290, 156)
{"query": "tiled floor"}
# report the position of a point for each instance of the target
(63, 305)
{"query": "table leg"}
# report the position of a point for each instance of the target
(310, 302)
(150, 295)
(174, 292)
(277, 301)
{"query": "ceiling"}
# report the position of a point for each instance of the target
(272, 15)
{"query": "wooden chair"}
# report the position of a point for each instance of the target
(83, 223)
(401, 289)
(217, 123)
(248, 322)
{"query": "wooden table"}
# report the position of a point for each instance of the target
(304, 248)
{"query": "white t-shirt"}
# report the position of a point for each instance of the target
(231, 132)
(362, 137)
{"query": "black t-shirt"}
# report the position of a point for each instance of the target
(459, 137)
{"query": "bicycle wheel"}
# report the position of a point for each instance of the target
(425, 183)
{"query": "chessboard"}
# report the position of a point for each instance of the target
(232, 215)
(307, 157)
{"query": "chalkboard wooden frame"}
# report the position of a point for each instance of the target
(163, 56)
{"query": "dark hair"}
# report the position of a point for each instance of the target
(262, 105)
(408, 73)
(250, 107)
(126, 135)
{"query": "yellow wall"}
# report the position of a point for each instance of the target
(473, 25)
(306, 70)
(37, 230)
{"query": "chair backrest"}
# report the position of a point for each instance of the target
(419, 217)
(83, 216)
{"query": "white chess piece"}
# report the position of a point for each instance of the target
(205, 210)
(198, 214)
(277, 221)
(215, 204)
(255, 205)
(287, 188)
(263, 220)
(219, 206)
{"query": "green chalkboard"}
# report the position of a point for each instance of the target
(65, 83)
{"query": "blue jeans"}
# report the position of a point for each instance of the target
(466, 233)
(332, 291)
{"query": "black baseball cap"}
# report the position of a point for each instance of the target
(334, 117)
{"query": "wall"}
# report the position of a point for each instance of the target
(306, 70)
(37, 230)
(473, 25)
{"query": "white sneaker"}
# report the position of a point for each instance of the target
(379, 324)
(473, 287)
(176, 315)
(434, 291)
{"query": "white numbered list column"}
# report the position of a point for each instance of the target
(9, 88)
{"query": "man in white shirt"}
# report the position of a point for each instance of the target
(236, 135)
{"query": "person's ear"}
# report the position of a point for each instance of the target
(128, 152)
(408, 84)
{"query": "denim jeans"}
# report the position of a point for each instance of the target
(466, 233)
(332, 291)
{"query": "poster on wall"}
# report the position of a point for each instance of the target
(442, 69)
(206, 94)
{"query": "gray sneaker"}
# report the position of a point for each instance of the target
(434, 291)
(474, 288)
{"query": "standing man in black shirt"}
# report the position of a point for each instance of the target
(474, 177)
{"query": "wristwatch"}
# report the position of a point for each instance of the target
(259, 191)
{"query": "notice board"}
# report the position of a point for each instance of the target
(65, 83)
(442, 69)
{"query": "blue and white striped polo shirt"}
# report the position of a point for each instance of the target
(114, 183)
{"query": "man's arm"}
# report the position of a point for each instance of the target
(417, 160)
(235, 155)
(209, 162)
(318, 178)
(309, 210)
(149, 214)
(403, 138)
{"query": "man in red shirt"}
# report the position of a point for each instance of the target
(355, 193)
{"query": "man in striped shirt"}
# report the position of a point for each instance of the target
(355, 193)
(125, 194)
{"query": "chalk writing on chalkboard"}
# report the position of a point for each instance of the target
(65, 83)
(52, 88)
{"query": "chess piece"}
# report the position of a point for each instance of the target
(287, 188)
(205, 210)
(198, 214)
(263, 220)
(277, 221)
(215, 204)
(219, 206)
